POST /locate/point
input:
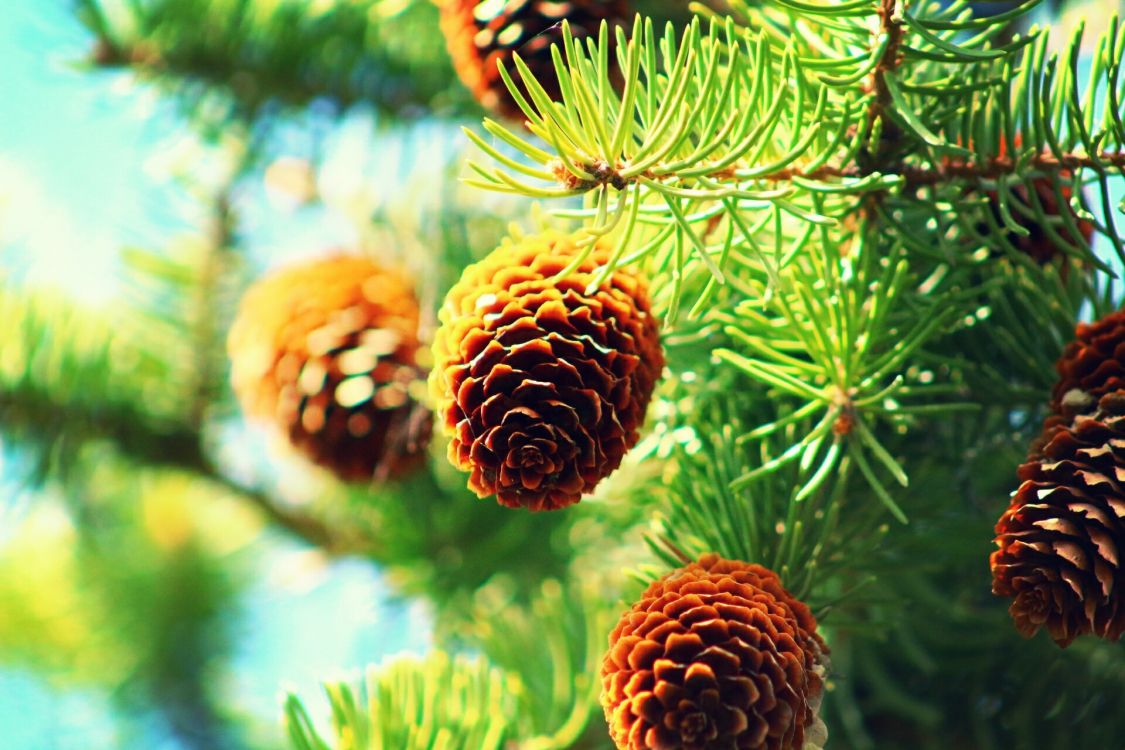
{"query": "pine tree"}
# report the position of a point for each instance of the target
(870, 231)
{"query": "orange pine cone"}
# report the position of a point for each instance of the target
(481, 33)
(1091, 365)
(715, 655)
(327, 350)
(541, 385)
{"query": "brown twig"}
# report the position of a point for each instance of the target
(890, 59)
(954, 170)
(1000, 166)
(914, 176)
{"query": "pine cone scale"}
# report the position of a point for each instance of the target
(1093, 364)
(546, 409)
(1058, 541)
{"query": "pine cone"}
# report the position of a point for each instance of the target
(479, 33)
(542, 386)
(1091, 365)
(1037, 244)
(715, 655)
(328, 351)
(1061, 538)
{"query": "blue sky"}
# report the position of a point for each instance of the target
(72, 149)
(88, 163)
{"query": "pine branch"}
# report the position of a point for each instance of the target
(77, 384)
(285, 55)
(792, 520)
(913, 176)
(552, 647)
(999, 166)
(333, 541)
(669, 159)
(208, 329)
(70, 379)
(37, 416)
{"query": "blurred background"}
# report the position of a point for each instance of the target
(165, 568)
(156, 590)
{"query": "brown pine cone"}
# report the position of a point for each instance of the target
(1062, 539)
(715, 655)
(328, 350)
(481, 33)
(541, 386)
(1038, 244)
(1091, 365)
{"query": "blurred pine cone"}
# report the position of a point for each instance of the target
(541, 385)
(715, 655)
(481, 33)
(328, 350)
(1061, 540)
(1091, 365)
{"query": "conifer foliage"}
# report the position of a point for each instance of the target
(1036, 240)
